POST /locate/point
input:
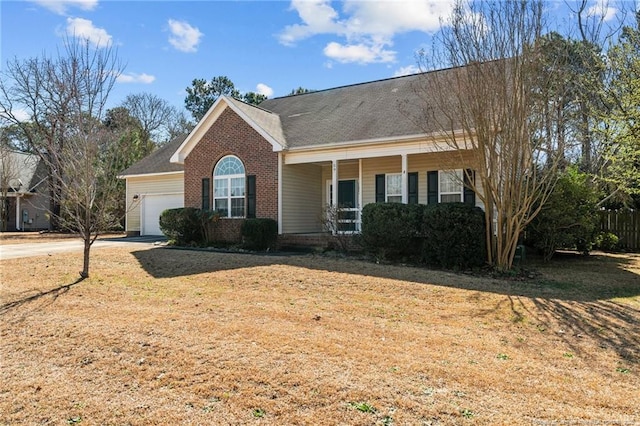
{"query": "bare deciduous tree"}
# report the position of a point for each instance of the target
(154, 114)
(484, 107)
(64, 99)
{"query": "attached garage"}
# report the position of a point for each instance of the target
(153, 185)
(152, 206)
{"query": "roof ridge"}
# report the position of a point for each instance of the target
(422, 73)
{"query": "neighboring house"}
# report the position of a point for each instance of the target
(23, 192)
(285, 158)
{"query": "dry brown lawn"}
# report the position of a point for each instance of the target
(165, 336)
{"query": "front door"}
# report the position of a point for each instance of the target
(348, 214)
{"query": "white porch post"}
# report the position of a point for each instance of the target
(359, 206)
(18, 215)
(405, 180)
(334, 185)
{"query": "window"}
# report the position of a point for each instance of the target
(229, 187)
(393, 188)
(450, 186)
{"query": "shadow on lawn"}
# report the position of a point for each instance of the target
(574, 295)
(568, 277)
(613, 325)
(54, 293)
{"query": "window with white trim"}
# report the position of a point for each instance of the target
(229, 187)
(451, 186)
(393, 188)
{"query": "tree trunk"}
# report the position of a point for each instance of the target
(85, 261)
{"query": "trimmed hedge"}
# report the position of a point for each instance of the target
(183, 226)
(259, 234)
(454, 236)
(448, 235)
(391, 230)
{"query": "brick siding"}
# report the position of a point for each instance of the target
(230, 135)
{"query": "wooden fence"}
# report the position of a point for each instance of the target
(623, 223)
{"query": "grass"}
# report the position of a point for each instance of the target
(166, 336)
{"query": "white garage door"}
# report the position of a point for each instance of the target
(152, 207)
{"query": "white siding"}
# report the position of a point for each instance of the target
(143, 185)
(301, 198)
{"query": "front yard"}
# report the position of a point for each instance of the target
(166, 336)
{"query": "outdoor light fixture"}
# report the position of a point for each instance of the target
(136, 197)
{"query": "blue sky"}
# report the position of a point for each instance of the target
(270, 47)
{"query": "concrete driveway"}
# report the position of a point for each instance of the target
(14, 251)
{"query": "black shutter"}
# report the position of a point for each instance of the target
(413, 188)
(380, 189)
(432, 187)
(251, 196)
(206, 191)
(469, 183)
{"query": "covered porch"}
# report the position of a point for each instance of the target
(309, 204)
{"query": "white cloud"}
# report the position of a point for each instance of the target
(603, 8)
(408, 70)
(184, 37)
(84, 28)
(359, 53)
(60, 6)
(367, 27)
(19, 114)
(136, 78)
(263, 89)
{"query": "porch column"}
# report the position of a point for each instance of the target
(405, 179)
(359, 206)
(334, 185)
(18, 214)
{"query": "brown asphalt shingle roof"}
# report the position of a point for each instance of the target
(375, 110)
(157, 161)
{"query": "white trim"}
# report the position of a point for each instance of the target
(150, 174)
(405, 179)
(359, 206)
(334, 182)
(408, 138)
(209, 119)
(365, 151)
(386, 194)
(459, 178)
(228, 178)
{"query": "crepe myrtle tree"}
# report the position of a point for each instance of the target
(484, 107)
(63, 98)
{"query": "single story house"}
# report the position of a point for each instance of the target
(24, 197)
(291, 157)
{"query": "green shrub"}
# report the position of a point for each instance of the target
(259, 234)
(454, 236)
(182, 226)
(568, 219)
(607, 241)
(391, 230)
